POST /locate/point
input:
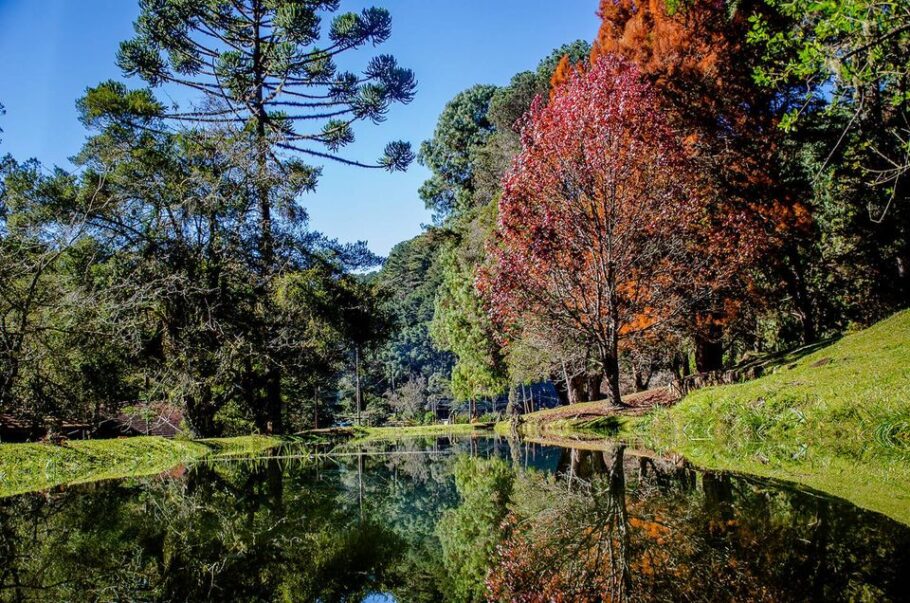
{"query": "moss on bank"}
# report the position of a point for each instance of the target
(31, 467)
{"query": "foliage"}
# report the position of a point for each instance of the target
(851, 56)
(409, 279)
(261, 72)
(461, 324)
(255, 63)
(845, 67)
(409, 400)
(469, 532)
(462, 128)
(598, 224)
(695, 54)
(60, 358)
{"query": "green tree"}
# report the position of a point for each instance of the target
(851, 57)
(263, 69)
(470, 532)
(410, 278)
(59, 356)
(475, 141)
(463, 128)
(461, 323)
(842, 72)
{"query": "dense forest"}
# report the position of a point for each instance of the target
(702, 183)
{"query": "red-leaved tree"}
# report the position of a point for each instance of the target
(601, 234)
(697, 56)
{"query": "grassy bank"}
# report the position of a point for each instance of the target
(33, 467)
(837, 420)
(30, 467)
(420, 431)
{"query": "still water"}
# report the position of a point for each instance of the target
(447, 520)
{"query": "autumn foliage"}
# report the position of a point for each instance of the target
(697, 56)
(601, 234)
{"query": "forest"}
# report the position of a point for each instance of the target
(703, 184)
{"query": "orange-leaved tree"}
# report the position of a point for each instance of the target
(696, 54)
(601, 232)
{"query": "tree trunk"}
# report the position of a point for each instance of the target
(641, 380)
(200, 414)
(358, 399)
(273, 376)
(570, 399)
(273, 402)
(709, 348)
(562, 391)
(585, 387)
(796, 287)
(610, 359)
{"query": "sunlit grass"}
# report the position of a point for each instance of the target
(837, 420)
(31, 467)
(417, 431)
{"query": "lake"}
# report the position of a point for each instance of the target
(447, 519)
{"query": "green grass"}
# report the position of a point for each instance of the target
(31, 467)
(418, 431)
(837, 420)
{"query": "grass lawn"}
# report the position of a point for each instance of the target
(837, 420)
(418, 431)
(30, 467)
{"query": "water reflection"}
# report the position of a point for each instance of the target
(447, 520)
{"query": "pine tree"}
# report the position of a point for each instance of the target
(263, 69)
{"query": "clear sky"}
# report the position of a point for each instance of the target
(51, 50)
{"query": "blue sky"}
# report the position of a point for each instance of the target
(51, 50)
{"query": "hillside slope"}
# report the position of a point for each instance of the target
(837, 420)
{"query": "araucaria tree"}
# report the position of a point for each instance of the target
(598, 224)
(264, 69)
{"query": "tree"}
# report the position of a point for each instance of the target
(598, 223)
(365, 323)
(461, 325)
(846, 123)
(410, 278)
(473, 145)
(850, 57)
(507, 106)
(462, 129)
(59, 357)
(410, 400)
(262, 68)
(696, 55)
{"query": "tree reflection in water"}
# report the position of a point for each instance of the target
(445, 520)
(621, 528)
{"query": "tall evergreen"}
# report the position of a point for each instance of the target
(265, 69)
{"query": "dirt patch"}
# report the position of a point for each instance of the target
(635, 405)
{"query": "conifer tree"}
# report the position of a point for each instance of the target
(266, 70)
(265, 65)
